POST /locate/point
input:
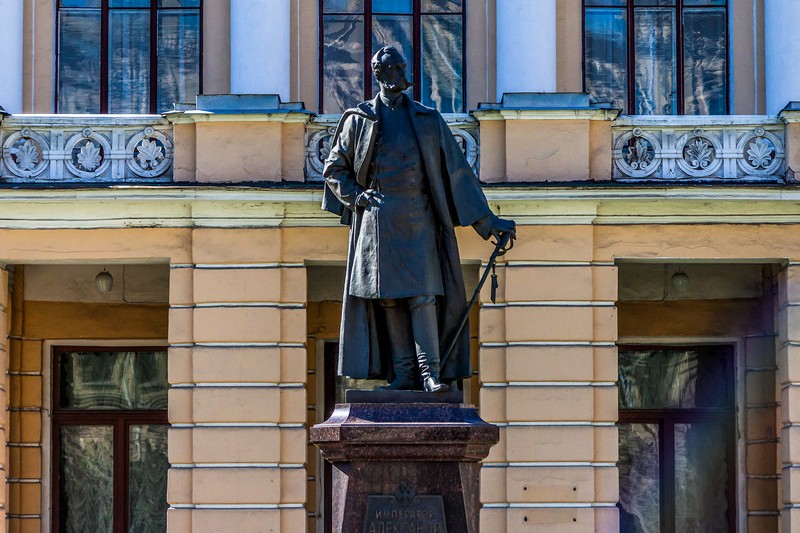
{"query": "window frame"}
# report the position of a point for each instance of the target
(105, 11)
(416, 25)
(119, 419)
(678, 6)
(667, 418)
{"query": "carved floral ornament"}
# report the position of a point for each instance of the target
(87, 154)
(318, 146)
(150, 153)
(24, 153)
(719, 152)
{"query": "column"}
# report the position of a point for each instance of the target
(782, 47)
(237, 403)
(260, 55)
(526, 46)
(548, 364)
(11, 45)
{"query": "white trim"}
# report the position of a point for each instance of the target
(546, 464)
(550, 505)
(551, 303)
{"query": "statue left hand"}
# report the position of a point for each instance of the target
(494, 226)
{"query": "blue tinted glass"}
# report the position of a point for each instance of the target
(606, 2)
(343, 6)
(442, 84)
(342, 62)
(704, 2)
(705, 79)
(606, 56)
(129, 61)
(178, 3)
(178, 42)
(656, 70)
(441, 6)
(129, 3)
(80, 3)
(392, 6)
(79, 61)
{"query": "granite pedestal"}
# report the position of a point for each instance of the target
(405, 461)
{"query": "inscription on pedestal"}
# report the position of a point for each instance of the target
(404, 512)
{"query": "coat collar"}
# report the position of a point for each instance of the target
(370, 107)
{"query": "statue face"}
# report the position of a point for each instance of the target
(391, 72)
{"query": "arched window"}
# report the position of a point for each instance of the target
(429, 34)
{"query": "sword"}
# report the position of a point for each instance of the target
(503, 245)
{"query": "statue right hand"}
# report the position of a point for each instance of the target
(369, 198)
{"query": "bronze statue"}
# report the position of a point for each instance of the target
(397, 176)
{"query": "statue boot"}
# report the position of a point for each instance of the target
(426, 340)
(399, 333)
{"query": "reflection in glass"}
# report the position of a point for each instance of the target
(86, 479)
(639, 485)
(113, 380)
(343, 62)
(655, 90)
(442, 65)
(129, 3)
(701, 478)
(606, 2)
(704, 2)
(395, 31)
(79, 61)
(178, 3)
(606, 56)
(393, 6)
(147, 490)
(704, 63)
(441, 6)
(343, 6)
(663, 379)
(178, 49)
(129, 62)
(81, 3)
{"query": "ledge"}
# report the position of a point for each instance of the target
(283, 207)
(545, 106)
(791, 113)
(239, 108)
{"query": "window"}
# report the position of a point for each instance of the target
(657, 57)
(110, 439)
(676, 439)
(127, 56)
(429, 34)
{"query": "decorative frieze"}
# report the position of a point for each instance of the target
(699, 148)
(321, 129)
(102, 148)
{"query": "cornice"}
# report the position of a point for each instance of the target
(244, 207)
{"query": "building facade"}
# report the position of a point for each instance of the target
(171, 290)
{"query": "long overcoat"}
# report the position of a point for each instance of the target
(457, 200)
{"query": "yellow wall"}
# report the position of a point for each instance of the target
(34, 323)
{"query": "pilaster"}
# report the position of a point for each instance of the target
(11, 25)
(548, 371)
(237, 385)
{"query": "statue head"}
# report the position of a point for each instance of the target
(390, 70)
